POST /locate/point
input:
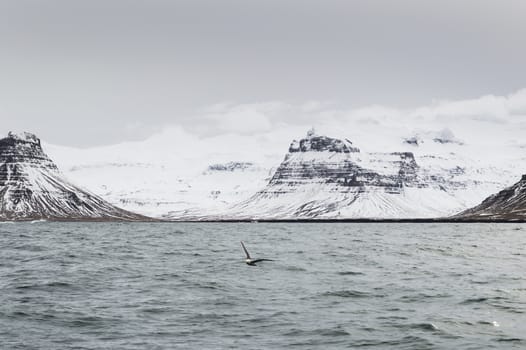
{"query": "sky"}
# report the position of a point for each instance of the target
(98, 72)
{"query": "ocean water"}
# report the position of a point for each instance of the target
(331, 286)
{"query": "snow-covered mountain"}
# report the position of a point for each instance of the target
(31, 187)
(323, 177)
(436, 168)
(508, 204)
(171, 172)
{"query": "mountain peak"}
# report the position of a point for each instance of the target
(32, 187)
(316, 143)
(24, 137)
(311, 133)
(23, 148)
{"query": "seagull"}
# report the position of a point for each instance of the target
(249, 260)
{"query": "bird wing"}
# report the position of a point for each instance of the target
(258, 260)
(246, 251)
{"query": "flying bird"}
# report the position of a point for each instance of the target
(249, 260)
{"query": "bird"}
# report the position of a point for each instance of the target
(249, 260)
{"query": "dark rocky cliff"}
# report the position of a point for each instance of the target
(32, 187)
(327, 177)
(344, 171)
(508, 204)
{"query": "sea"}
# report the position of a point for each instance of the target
(329, 286)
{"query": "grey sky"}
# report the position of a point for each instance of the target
(100, 71)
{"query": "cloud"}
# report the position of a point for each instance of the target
(489, 128)
(475, 121)
(517, 104)
(489, 108)
(270, 127)
(244, 119)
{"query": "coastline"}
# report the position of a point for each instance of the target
(254, 221)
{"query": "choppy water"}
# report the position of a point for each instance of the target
(165, 286)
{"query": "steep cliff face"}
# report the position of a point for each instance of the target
(346, 170)
(508, 204)
(31, 187)
(322, 177)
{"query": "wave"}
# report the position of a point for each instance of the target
(52, 285)
(347, 294)
(413, 341)
(349, 273)
(425, 326)
(519, 340)
(327, 332)
(294, 268)
(474, 300)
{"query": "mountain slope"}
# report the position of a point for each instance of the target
(31, 187)
(323, 177)
(508, 204)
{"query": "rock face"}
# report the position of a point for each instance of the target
(32, 187)
(341, 169)
(323, 177)
(508, 204)
(314, 143)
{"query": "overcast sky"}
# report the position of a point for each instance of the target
(86, 73)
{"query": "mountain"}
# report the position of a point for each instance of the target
(32, 187)
(323, 177)
(509, 204)
(386, 171)
(171, 172)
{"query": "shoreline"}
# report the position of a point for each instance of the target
(254, 221)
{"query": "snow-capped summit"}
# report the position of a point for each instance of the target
(324, 177)
(32, 187)
(316, 143)
(24, 149)
(24, 137)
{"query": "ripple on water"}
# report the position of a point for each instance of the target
(346, 294)
(49, 286)
(337, 331)
(407, 342)
(514, 340)
(514, 309)
(295, 268)
(155, 310)
(144, 286)
(425, 326)
(474, 300)
(349, 273)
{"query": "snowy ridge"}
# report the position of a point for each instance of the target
(508, 204)
(31, 187)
